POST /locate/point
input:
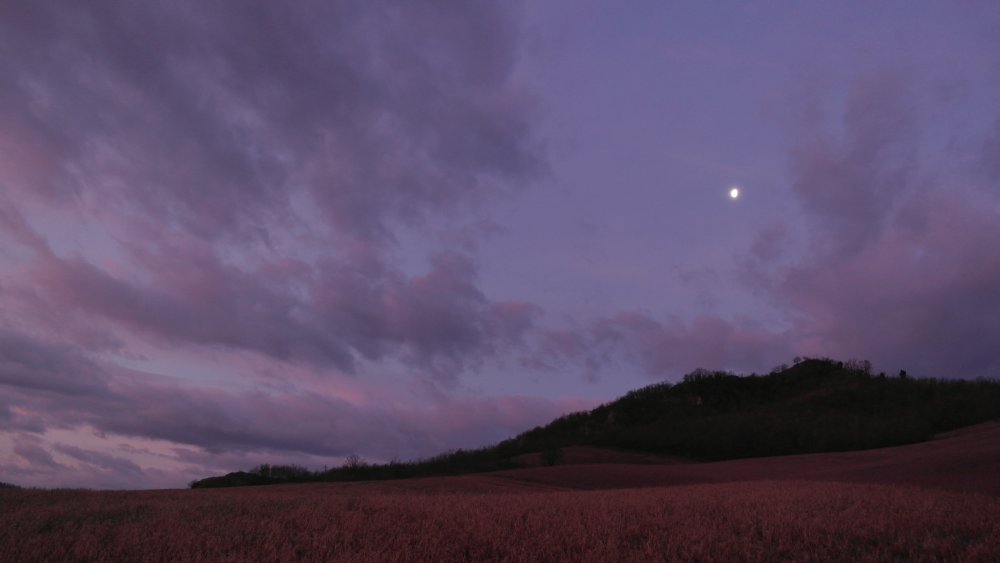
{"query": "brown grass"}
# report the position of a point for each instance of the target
(888, 505)
(757, 521)
(966, 460)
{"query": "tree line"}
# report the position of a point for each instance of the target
(813, 405)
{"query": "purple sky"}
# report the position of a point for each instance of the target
(239, 232)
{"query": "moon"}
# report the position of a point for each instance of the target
(734, 192)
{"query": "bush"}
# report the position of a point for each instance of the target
(552, 456)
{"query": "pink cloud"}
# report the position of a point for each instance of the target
(276, 425)
(661, 348)
(248, 230)
(902, 263)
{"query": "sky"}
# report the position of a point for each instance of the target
(245, 232)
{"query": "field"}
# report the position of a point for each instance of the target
(934, 501)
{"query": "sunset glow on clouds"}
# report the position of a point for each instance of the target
(250, 233)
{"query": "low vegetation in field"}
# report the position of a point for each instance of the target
(760, 521)
(847, 506)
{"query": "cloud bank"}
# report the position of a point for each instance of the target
(242, 232)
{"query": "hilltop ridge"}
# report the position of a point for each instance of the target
(813, 406)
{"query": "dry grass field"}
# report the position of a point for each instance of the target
(966, 460)
(936, 501)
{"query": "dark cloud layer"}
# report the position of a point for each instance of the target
(238, 230)
(221, 145)
(902, 267)
(26, 362)
(211, 119)
(252, 424)
(233, 177)
(848, 183)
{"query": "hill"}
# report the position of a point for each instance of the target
(934, 501)
(816, 405)
(966, 460)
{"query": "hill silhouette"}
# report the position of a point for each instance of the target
(813, 406)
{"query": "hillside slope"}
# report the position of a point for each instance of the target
(966, 460)
(817, 405)
(813, 406)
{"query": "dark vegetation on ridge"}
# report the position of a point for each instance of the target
(816, 405)
(8, 486)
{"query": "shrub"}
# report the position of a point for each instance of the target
(552, 456)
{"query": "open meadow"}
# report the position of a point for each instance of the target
(483, 520)
(917, 502)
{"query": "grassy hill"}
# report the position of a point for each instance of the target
(816, 405)
(937, 500)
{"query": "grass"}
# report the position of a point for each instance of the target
(493, 521)
(934, 501)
